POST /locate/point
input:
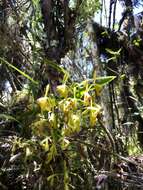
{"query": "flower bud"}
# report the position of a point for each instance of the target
(94, 111)
(87, 99)
(62, 90)
(46, 103)
(43, 103)
(93, 118)
(74, 123)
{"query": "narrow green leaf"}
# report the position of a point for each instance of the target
(116, 53)
(52, 176)
(65, 78)
(54, 65)
(18, 70)
(112, 59)
(123, 76)
(8, 117)
(104, 80)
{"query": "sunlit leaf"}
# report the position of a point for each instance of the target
(47, 90)
(112, 59)
(116, 53)
(122, 76)
(15, 157)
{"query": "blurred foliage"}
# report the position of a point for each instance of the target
(70, 95)
(88, 8)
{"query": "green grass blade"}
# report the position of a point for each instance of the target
(18, 70)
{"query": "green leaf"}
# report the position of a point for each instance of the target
(122, 76)
(114, 58)
(65, 78)
(58, 68)
(18, 70)
(104, 80)
(52, 176)
(8, 117)
(116, 53)
(54, 65)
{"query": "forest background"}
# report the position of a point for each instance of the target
(71, 94)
